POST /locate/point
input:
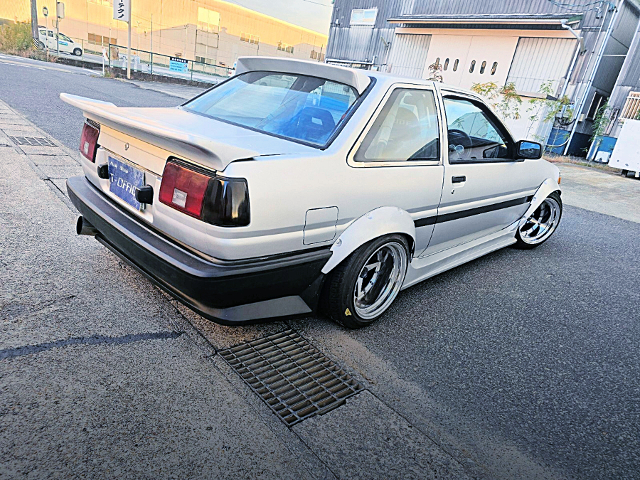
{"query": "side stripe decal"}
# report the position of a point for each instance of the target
(422, 222)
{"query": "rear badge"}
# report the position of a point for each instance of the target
(179, 198)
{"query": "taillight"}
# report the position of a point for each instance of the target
(216, 200)
(89, 142)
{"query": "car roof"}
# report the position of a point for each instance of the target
(357, 78)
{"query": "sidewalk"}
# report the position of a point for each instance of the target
(600, 191)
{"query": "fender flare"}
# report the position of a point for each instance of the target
(547, 188)
(376, 223)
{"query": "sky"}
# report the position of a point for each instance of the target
(312, 14)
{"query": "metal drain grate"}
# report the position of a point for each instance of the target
(33, 141)
(294, 378)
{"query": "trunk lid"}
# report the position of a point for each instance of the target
(205, 141)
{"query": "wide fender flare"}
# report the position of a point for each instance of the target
(547, 188)
(376, 223)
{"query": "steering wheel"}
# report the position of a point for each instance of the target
(460, 137)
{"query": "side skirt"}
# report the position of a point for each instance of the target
(426, 267)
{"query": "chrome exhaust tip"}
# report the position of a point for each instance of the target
(85, 228)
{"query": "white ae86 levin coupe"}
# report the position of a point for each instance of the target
(296, 185)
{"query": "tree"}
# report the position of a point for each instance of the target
(15, 37)
(600, 121)
(435, 71)
(559, 110)
(505, 100)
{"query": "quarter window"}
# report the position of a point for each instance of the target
(473, 133)
(406, 129)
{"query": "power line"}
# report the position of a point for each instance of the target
(318, 3)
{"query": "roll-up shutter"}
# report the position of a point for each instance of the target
(408, 55)
(539, 60)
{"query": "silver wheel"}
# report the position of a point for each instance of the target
(379, 280)
(542, 223)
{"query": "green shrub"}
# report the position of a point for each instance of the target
(15, 37)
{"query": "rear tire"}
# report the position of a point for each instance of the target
(363, 287)
(542, 223)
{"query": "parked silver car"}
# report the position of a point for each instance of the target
(296, 185)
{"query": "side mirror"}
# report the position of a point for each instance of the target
(528, 150)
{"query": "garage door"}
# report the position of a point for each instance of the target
(469, 59)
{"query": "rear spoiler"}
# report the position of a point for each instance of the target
(203, 150)
(348, 76)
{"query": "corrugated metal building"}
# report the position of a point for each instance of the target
(587, 50)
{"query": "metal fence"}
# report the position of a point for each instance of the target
(159, 64)
(631, 109)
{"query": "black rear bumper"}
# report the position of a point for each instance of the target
(227, 292)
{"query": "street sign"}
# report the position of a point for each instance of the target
(366, 17)
(122, 10)
(178, 65)
(60, 10)
(45, 11)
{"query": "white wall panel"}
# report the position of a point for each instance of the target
(408, 55)
(538, 60)
(467, 49)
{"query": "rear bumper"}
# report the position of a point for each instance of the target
(227, 292)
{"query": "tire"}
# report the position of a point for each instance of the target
(541, 224)
(384, 259)
(77, 52)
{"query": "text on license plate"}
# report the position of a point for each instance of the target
(123, 181)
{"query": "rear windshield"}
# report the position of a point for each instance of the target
(298, 107)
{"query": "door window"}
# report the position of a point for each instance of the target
(406, 129)
(473, 133)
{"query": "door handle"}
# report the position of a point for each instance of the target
(458, 179)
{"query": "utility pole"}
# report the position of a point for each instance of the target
(45, 13)
(151, 45)
(34, 19)
(129, 50)
(59, 16)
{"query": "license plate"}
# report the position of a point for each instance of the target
(124, 179)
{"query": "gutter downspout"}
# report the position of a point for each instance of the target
(592, 76)
(572, 66)
(575, 58)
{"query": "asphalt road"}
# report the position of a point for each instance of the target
(525, 364)
(34, 88)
